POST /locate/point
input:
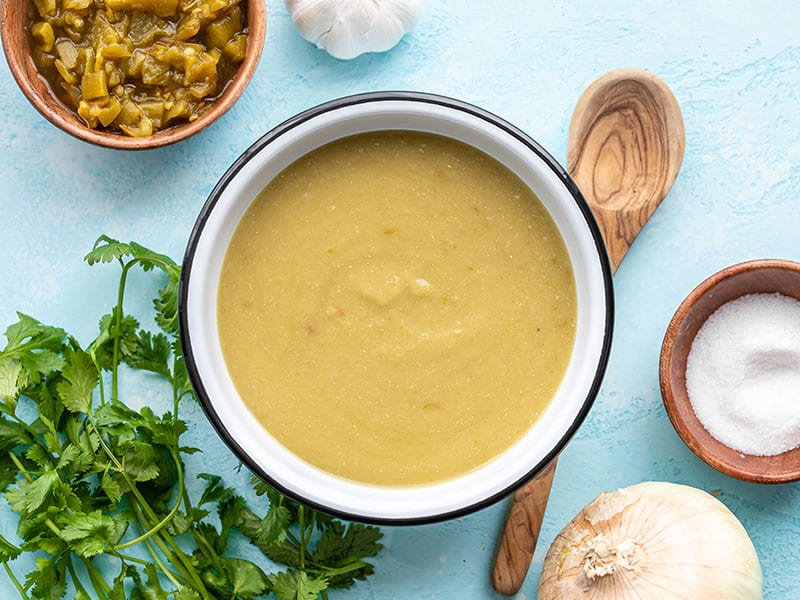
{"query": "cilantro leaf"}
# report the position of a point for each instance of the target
(111, 487)
(215, 491)
(166, 304)
(106, 250)
(115, 413)
(76, 459)
(28, 333)
(32, 494)
(229, 511)
(80, 379)
(12, 434)
(150, 353)
(40, 363)
(89, 533)
(285, 553)
(114, 327)
(261, 487)
(150, 259)
(70, 454)
(270, 538)
(40, 456)
(49, 579)
(140, 460)
(166, 430)
(246, 579)
(275, 524)
(296, 585)
(337, 542)
(12, 379)
(8, 551)
(340, 546)
(32, 351)
(8, 471)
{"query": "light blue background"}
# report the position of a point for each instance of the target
(735, 70)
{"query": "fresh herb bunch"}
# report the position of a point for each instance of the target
(91, 477)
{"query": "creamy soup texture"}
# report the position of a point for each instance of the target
(397, 308)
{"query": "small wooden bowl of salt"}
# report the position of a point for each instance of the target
(730, 371)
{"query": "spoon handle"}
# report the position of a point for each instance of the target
(625, 147)
(521, 531)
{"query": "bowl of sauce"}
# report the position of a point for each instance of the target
(730, 370)
(396, 307)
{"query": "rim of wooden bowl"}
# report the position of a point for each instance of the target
(754, 276)
(13, 30)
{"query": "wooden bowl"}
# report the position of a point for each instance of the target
(13, 30)
(756, 276)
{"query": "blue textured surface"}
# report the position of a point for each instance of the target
(735, 69)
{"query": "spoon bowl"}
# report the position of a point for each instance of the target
(751, 277)
(624, 151)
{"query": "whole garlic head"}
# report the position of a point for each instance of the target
(348, 28)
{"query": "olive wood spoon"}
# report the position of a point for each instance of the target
(625, 147)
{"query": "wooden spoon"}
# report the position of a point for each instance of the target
(625, 147)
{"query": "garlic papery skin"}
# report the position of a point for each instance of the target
(348, 28)
(652, 540)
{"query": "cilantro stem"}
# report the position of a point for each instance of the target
(75, 580)
(101, 386)
(100, 586)
(171, 550)
(160, 525)
(209, 551)
(142, 507)
(158, 542)
(168, 573)
(20, 467)
(329, 572)
(290, 536)
(169, 547)
(301, 518)
(16, 582)
(126, 267)
(115, 360)
(164, 569)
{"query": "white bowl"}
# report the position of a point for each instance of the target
(267, 158)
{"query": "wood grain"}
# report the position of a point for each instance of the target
(751, 277)
(624, 151)
(526, 514)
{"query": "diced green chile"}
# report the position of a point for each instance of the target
(138, 66)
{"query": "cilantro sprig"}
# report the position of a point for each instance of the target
(101, 488)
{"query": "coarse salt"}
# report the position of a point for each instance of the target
(743, 374)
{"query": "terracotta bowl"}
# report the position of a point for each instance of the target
(13, 29)
(756, 276)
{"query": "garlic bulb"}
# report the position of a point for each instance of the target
(347, 28)
(656, 541)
